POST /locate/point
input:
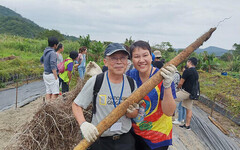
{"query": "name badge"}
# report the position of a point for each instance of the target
(116, 126)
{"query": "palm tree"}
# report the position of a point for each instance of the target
(85, 41)
(209, 61)
(129, 41)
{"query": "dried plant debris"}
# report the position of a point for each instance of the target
(52, 127)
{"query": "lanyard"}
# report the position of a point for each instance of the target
(149, 76)
(114, 103)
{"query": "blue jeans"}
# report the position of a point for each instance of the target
(81, 71)
(181, 112)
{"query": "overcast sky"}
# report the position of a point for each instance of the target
(179, 22)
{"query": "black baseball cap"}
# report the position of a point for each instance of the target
(113, 48)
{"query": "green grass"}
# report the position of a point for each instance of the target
(223, 89)
(21, 54)
(28, 53)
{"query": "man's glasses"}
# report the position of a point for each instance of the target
(115, 59)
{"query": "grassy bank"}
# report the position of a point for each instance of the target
(27, 52)
(222, 89)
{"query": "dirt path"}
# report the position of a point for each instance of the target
(12, 119)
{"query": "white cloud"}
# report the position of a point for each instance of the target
(179, 22)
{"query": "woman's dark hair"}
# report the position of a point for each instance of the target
(59, 46)
(140, 44)
(82, 49)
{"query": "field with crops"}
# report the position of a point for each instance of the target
(20, 56)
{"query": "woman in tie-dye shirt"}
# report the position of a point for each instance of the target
(152, 127)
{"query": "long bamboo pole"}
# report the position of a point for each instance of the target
(218, 125)
(143, 90)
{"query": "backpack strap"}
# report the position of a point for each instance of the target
(64, 63)
(131, 83)
(96, 88)
(46, 53)
(131, 67)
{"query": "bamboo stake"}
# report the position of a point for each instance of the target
(218, 125)
(213, 106)
(143, 90)
(16, 95)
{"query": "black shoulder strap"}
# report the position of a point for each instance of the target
(131, 67)
(96, 88)
(46, 53)
(131, 82)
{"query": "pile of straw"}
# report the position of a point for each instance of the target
(52, 127)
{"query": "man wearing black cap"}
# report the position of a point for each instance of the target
(189, 77)
(115, 88)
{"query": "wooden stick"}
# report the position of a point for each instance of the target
(16, 95)
(143, 90)
(213, 106)
(218, 125)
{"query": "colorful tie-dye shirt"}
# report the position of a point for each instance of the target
(151, 124)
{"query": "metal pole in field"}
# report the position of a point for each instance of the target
(16, 94)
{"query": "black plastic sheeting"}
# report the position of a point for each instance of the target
(26, 94)
(219, 108)
(213, 138)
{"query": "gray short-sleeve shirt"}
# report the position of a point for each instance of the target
(104, 102)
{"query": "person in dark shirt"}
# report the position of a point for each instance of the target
(189, 77)
(66, 76)
(157, 63)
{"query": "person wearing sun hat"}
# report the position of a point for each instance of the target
(115, 88)
(157, 63)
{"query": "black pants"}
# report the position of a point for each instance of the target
(125, 142)
(141, 145)
(65, 87)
